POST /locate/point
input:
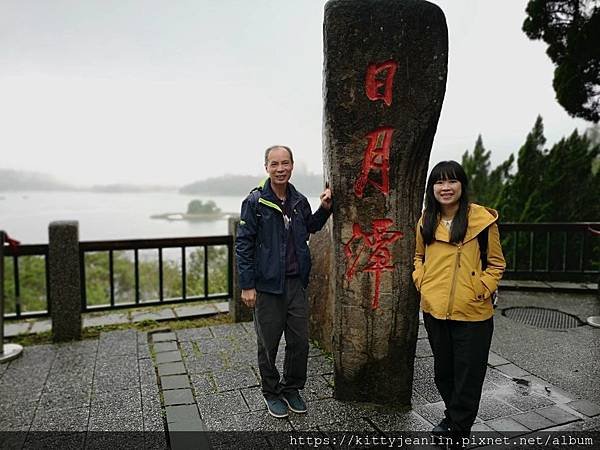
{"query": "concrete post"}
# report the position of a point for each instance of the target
(64, 280)
(385, 67)
(238, 311)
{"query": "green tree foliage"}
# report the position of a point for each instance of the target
(485, 186)
(571, 28)
(199, 207)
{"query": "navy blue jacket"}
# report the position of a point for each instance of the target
(261, 239)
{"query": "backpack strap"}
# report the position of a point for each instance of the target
(482, 238)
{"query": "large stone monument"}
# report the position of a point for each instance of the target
(385, 68)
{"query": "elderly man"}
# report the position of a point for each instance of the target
(274, 263)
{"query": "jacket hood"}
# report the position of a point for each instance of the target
(479, 218)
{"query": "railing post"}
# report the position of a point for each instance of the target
(65, 280)
(239, 312)
(8, 351)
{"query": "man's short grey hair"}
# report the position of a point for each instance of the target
(273, 147)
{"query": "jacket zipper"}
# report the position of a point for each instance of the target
(453, 288)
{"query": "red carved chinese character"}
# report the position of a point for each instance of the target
(374, 84)
(377, 157)
(380, 259)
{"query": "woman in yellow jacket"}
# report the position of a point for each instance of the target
(456, 294)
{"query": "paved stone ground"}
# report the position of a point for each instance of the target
(107, 384)
(207, 379)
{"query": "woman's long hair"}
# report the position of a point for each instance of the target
(446, 170)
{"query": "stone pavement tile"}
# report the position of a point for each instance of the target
(235, 378)
(316, 388)
(110, 365)
(143, 351)
(240, 358)
(525, 401)
(18, 417)
(167, 357)
(175, 382)
(482, 427)
(545, 389)
(11, 440)
(221, 405)
(253, 421)
(356, 425)
(557, 415)
(194, 311)
(41, 326)
(169, 346)
(213, 345)
(190, 334)
(65, 398)
(206, 363)
(533, 421)
(512, 370)
(163, 314)
(12, 393)
(432, 412)
(163, 337)
(418, 399)
(188, 349)
(147, 371)
(329, 377)
(423, 368)
(105, 319)
(182, 414)
(178, 397)
(116, 417)
(422, 334)
(234, 329)
(319, 365)
(495, 359)
(155, 439)
(492, 408)
(67, 419)
(426, 388)
(14, 329)
(44, 440)
(130, 398)
(151, 409)
(400, 421)
(176, 368)
(254, 398)
(506, 424)
(222, 307)
(133, 439)
(115, 343)
(249, 327)
(322, 412)
(203, 384)
(120, 381)
(423, 348)
(585, 407)
(498, 378)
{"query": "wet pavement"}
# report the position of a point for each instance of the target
(207, 379)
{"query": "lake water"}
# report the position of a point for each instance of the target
(25, 216)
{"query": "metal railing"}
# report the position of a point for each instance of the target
(110, 247)
(551, 251)
(18, 301)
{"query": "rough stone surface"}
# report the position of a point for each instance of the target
(239, 312)
(64, 280)
(374, 348)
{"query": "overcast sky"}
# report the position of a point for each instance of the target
(172, 91)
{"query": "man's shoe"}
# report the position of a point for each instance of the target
(442, 428)
(276, 407)
(294, 402)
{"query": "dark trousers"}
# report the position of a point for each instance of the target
(460, 354)
(274, 315)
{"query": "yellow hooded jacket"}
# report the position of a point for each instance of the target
(449, 276)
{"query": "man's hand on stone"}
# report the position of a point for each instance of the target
(326, 199)
(249, 297)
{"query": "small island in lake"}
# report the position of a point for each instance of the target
(196, 210)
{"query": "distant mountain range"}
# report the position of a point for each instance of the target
(238, 185)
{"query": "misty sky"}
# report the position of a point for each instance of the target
(172, 91)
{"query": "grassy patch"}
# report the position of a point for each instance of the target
(145, 325)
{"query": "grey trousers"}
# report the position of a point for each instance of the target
(275, 315)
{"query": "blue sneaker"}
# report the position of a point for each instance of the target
(276, 407)
(294, 402)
